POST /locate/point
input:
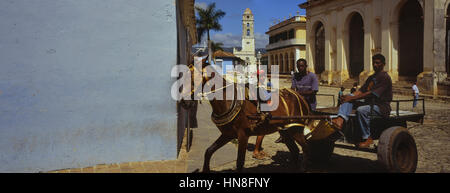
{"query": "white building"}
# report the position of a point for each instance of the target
(247, 53)
(411, 34)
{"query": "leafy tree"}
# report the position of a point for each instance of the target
(216, 46)
(208, 19)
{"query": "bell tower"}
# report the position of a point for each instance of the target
(248, 37)
(247, 53)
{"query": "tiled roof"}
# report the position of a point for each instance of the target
(223, 54)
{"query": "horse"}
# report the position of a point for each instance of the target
(232, 119)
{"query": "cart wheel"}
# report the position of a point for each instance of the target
(321, 150)
(397, 150)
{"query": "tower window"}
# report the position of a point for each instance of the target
(248, 32)
(248, 24)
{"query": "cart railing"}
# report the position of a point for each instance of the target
(333, 96)
(303, 117)
(397, 110)
(328, 117)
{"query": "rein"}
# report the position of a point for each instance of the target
(205, 94)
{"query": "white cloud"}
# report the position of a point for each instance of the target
(202, 5)
(261, 40)
(234, 40)
(228, 39)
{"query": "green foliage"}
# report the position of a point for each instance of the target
(208, 19)
(216, 46)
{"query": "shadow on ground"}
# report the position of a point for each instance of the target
(338, 164)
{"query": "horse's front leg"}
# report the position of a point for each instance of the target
(220, 142)
(242, 149)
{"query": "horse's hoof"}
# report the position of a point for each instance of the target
(196, 171)
(206, 171)
(261, 155)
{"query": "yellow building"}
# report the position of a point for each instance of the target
(413, 35)
(287, 43)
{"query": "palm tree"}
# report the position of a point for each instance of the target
(208, 19)
(216, 46)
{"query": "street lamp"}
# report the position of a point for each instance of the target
(259, 58)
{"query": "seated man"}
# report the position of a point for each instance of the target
(306, 84)
(378, 87)
(258, 153)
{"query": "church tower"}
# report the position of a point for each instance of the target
(248, 37)
(247, 53)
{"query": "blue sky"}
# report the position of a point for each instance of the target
(264, 11)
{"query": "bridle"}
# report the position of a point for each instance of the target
(235, 108)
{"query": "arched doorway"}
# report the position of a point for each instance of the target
(410, 39)
(356, 45)
(447, 42)
(319, 49)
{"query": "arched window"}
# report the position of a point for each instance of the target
(248, 32)
(248, 24)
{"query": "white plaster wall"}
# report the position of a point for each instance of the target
(86, 82)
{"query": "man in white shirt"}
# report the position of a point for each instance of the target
(415, 94)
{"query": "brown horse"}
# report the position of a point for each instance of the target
(231, 118)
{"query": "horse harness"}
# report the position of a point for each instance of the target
(237, 105)
(231, 114)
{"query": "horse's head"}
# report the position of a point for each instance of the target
(199, 76)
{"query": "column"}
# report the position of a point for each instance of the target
(309, 47)
(269, 62)
(368, 21)
(341, 60)
(297, 56)
(327, 74)
(389, 41)
(428, 51)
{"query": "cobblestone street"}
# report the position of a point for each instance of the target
(432, 139)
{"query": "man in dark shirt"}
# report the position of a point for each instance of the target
(305, 83)
(377, 88)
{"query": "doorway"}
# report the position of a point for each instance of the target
(356, 45)
(410, 39)
(319, 45)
